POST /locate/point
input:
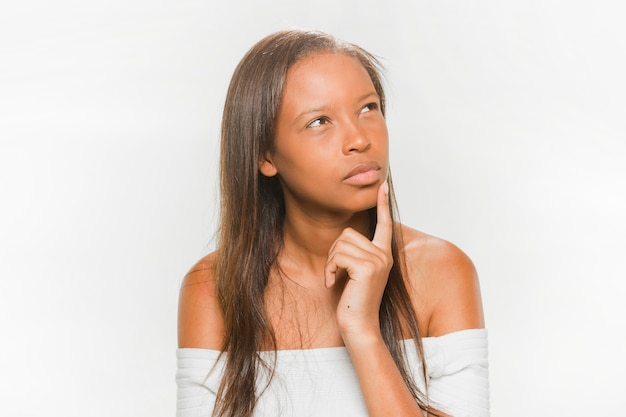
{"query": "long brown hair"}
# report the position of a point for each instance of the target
(252, 214)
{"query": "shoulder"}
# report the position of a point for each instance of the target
(200, 319)
(443, 284)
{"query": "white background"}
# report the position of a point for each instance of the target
(507, 122)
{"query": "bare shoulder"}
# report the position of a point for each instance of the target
(443, 284)
(200, 319)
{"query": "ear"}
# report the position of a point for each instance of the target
(267, 167)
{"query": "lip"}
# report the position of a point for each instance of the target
(366, 173)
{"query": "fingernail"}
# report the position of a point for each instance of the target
(386, 188)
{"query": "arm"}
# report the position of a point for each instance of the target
(201, 328)
(367, 265)
(200, 319)
(459, 381)
(453, 297)
(442, 282)
(383, 388)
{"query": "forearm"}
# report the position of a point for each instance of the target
(383, 387)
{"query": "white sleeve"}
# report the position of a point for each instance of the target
(197, 385)
(458, 371)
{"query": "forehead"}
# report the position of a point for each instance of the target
(326, 75)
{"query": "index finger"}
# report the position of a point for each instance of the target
(384, 226)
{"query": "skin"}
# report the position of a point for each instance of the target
(329, 286)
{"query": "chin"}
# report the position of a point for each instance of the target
(365, 201)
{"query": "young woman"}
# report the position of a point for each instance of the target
(316, 301)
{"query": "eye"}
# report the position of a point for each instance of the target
(369, 107)
(320, 121)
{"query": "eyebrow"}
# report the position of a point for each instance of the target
(322, 108)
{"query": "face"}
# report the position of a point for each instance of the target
(331, 144)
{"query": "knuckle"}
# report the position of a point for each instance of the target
(340, 245)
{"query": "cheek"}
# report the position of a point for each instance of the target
(382, 129)
(307, 158)
(377, 128)
(310, 167)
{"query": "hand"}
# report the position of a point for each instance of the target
(367, 265)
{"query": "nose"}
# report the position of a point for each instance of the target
(356, 140)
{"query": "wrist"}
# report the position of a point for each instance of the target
(362, 339)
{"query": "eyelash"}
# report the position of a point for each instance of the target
(323, 120)
(370, 106)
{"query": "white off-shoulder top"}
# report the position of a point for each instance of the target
(323, 383)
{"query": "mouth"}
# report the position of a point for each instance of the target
(367, 173)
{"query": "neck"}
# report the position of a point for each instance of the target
(307, 239)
